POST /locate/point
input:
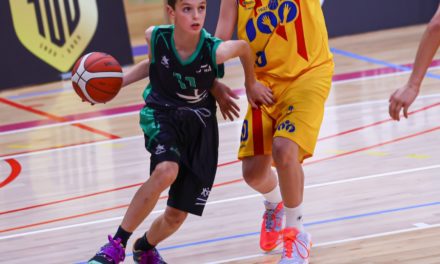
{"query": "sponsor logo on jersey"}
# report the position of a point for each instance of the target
(204, 69)
(203, 197)
(286, 125)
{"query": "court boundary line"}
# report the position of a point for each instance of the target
(56, 118)
(224, 200)
(122, 139)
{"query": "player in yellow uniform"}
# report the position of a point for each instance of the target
(289, 39)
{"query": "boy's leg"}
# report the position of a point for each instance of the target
(296, 133)
(148, 194)
(258, 174)
(140, 207)
(165, 225)
(255, 152)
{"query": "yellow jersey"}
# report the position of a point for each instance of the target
(288, 36)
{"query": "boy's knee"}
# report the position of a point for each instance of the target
(165, 174)
(174, 217)
(256, 168)
(285, 152)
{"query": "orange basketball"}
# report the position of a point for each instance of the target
(97, 77)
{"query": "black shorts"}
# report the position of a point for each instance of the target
(189, 138)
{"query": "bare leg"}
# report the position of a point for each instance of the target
(148, 194)
(258, 174)
(165, 225)
(290, 172)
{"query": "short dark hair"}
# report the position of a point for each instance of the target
(172, 3)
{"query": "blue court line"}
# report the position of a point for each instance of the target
(32, 94)
(378, 62)
(139, 50)
(321, 222)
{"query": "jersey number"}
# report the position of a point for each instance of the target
(190, 80)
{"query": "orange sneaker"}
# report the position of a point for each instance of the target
(272, 226)
(296, 247)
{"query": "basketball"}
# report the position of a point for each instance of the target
(97, 77)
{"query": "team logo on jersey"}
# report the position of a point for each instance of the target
(274, 18)
(165, 62)
(195, 98)
(203, 197)
(160, 149)
(56, 31)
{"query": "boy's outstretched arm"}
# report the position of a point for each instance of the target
(137, 72)
(142, 69)
(255, 91)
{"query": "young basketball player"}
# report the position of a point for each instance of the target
(290, 41)
(179, 125)
(405, 96)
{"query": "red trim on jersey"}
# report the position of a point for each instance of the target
(257, 131)
(301, 43)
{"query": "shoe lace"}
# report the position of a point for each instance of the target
(290, 241)
(273, 220)
(113, 251)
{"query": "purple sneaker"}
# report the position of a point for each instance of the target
(151, 256)
(111, 253)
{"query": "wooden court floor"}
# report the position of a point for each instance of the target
(68, 170)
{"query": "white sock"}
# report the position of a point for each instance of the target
(274, 196)
(294, 217)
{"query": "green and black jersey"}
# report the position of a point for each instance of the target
(176, 83)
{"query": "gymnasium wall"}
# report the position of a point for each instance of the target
(28, 53)
(39, 46)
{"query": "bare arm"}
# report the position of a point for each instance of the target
(142, 69)
(256, 92)
(405, 96)
(137, 72)
(238, 48)
(227, 19)
(427, 48)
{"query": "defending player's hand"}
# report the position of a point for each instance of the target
(224, 97)
(402, 98)
(258, 94)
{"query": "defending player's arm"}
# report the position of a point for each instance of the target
(405, 96)
(225, 28)
(227, 19)
(142, 69)
(256, 92)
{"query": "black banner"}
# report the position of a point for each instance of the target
(42, 39)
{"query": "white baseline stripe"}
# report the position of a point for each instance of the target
(70, 226)
(227, 200)
(225, 124)
(335, 242)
